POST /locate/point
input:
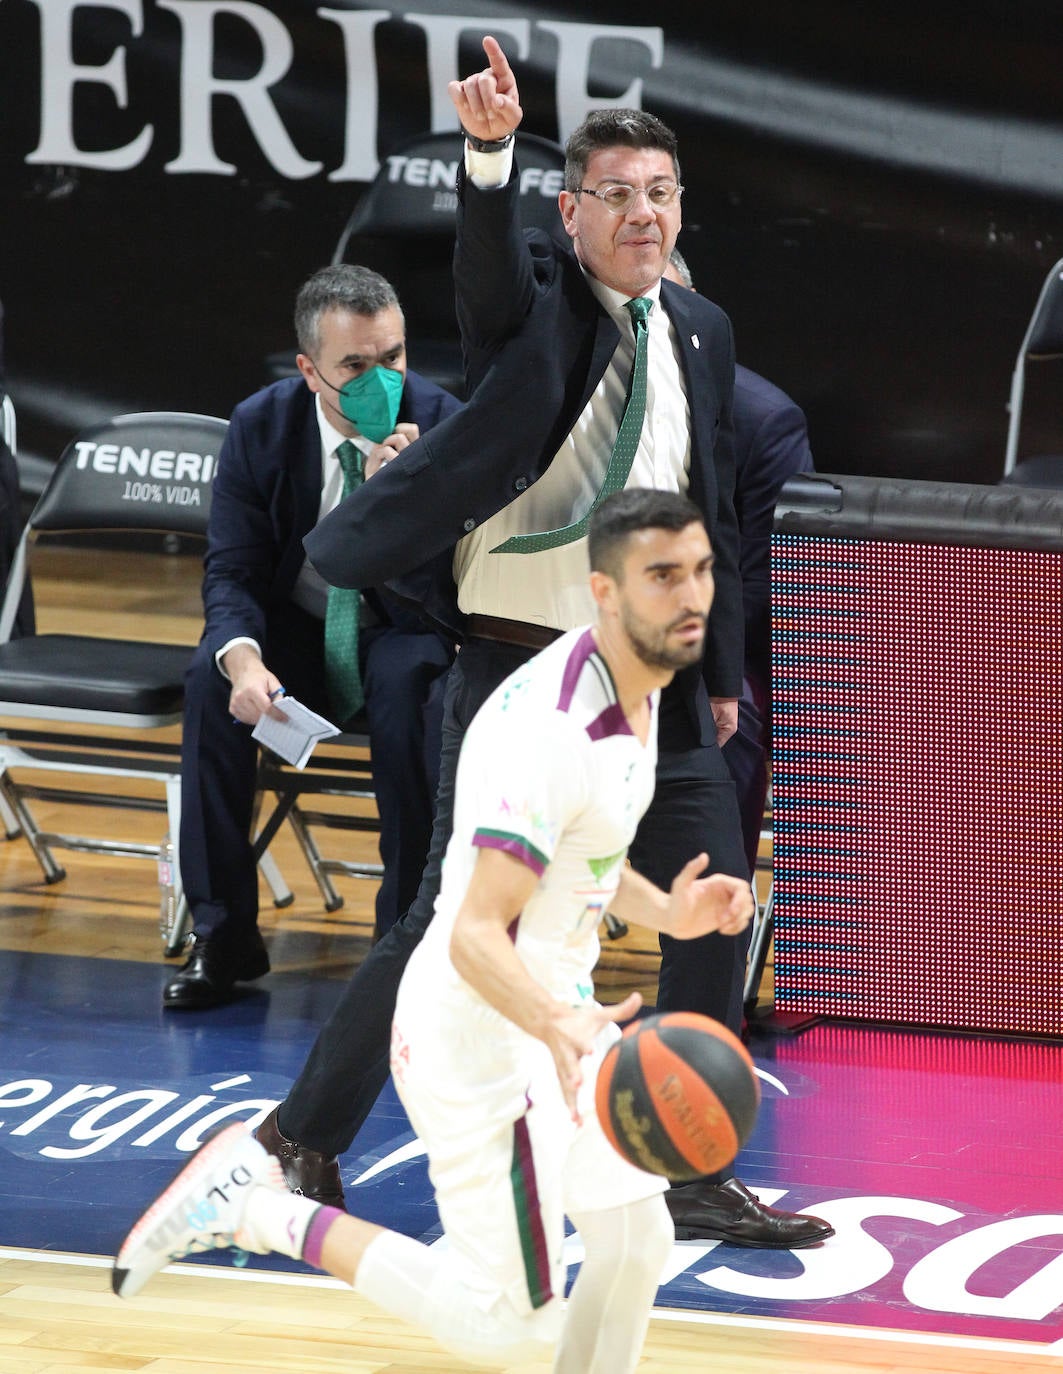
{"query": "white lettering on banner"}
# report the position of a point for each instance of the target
(434, 173)
(99, 1117)
(549, 182)
(165, 464)
(132, 461)
(199, 85)
(60, 74)
(77, 1094)
(940, 1280)
(93, 1128)
(363, 97)
(443, 32)
(423, 171)
(254, 95)
(574, 45)
(96, 1128)
(24, 1092)
(835, 1270)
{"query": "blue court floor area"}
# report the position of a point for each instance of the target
(936, 1157)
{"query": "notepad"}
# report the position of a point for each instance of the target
(293, 738)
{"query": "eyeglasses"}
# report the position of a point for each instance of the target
(618, 198)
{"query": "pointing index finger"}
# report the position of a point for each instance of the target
(496, 57)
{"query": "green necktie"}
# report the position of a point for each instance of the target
(342, 674)
(624, 449)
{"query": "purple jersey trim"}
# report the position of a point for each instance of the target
(516, 845)
(612, 720)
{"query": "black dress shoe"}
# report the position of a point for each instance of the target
(207, 977)
(729, 1211)
(308, 1172)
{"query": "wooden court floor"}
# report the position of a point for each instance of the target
(57, 1315)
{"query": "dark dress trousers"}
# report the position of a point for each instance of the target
(266, 498)
(771, 446)
(536, 344)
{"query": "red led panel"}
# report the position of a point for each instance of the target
(918, 783)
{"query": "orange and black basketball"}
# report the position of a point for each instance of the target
(677, 1096)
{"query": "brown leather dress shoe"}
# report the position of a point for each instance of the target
(308, 1172)
(207, 977)
(729, 1211)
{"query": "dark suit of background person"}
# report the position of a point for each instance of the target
(267, 495)
(771, 446)
(537, 342)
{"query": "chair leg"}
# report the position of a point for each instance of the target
(175, 920)
(615, 928)
(53, 872)
(332, 899)
(758, 948)
(173, 914)
(267, 864)
(12, 829)
(282, 893)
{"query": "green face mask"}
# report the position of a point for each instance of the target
(371, 401)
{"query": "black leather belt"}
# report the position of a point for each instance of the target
(519, 632)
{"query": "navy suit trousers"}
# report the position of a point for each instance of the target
(403, 675)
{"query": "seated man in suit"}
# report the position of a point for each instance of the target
(292, 451)
(771, 446)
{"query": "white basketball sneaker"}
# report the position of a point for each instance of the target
(201, 1210)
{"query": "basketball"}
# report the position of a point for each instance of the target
(677, 1095)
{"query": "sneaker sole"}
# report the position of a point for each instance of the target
(185, 1184)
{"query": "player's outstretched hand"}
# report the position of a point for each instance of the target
(488, 103)
(699, 906)
(572, 1034)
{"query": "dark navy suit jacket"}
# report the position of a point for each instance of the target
(771, 446)
(266, 499)
(537, 343)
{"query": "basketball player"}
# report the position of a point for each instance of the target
(497, 1036)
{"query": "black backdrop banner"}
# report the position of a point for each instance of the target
(874, 192)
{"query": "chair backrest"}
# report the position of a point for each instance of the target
(1043, 340)
(403, 226)
(152, 471)
(413, 196)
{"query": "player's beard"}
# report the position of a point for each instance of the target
(652, 646)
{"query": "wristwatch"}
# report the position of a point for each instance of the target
(487, 145)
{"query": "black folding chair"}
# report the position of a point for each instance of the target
(135, 478)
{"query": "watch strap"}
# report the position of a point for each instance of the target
(487, 145)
